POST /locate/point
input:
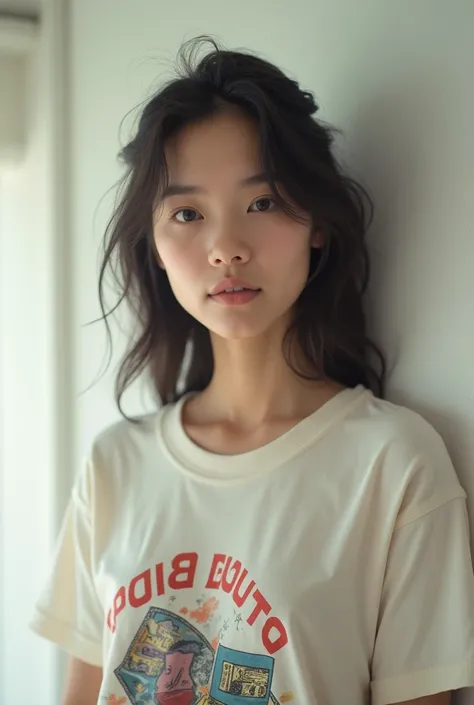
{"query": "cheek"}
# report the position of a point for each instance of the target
(182, 268)
(288, 248)
(175, 258)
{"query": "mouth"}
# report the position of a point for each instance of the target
(234, 290)
(234, 296)
(232, 286)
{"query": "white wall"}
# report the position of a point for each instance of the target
(33, 418)
(27, 497)
(397, 78)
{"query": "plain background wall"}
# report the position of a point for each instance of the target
(13, 112)
(27, 381)
(397, 78)
(34, 406)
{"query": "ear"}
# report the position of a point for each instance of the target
(317, 238)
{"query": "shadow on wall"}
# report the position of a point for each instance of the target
(404, 140)
(409, 148)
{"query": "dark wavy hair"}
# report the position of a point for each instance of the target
(328, 325)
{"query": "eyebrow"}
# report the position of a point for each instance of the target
(182, 189)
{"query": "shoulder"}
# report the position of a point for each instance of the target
(119, 458)
(397, 426)
(411, 455)
(126, 438)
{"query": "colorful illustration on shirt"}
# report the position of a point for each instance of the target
(171, 663)
(204, 611)
(239, 678)
(167, 662)
(113, 699)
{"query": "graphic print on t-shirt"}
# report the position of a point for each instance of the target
(170, 663)
(188, 656)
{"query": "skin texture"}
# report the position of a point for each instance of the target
(82, 683)
(438, 699)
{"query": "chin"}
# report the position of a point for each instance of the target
(241, 325)
(236, 332)
(246, 329)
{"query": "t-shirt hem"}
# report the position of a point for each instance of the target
(66, 637)
(423, 683)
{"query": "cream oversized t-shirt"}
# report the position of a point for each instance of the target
(330, 566)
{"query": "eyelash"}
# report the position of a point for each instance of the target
(260, 198)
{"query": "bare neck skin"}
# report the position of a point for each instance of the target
(254, 396)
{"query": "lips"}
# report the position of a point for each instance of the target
(232, 284)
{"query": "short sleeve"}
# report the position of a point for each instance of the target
(425, 636)
(68, 611)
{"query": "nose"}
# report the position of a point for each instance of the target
(228, 249)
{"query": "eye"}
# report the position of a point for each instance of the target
(263, 204)
(187, 215)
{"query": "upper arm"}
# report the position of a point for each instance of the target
(438, 699)
(83, 683)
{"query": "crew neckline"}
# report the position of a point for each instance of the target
(215, 468)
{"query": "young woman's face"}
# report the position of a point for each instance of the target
(219, 228)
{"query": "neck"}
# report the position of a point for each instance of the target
(253, 383)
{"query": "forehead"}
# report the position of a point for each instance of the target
(223, 146)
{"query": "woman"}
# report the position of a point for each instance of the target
(306, 540)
